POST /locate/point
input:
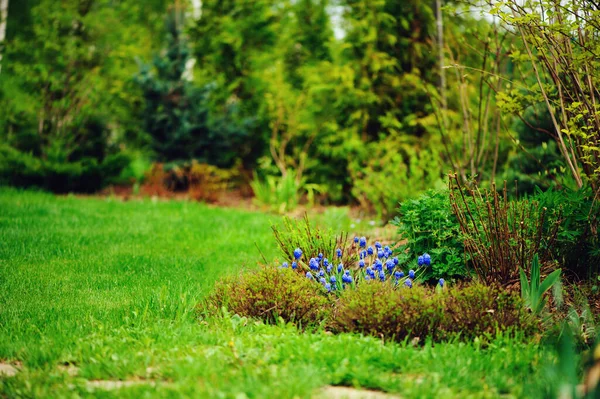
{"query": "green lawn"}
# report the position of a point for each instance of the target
(97, 289)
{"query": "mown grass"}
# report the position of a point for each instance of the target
(109, 288)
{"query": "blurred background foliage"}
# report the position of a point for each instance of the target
(359, 102)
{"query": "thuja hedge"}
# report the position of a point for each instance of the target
(396, 312)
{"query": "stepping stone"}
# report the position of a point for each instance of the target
(333, 392)
(110, 385)
(8, 370)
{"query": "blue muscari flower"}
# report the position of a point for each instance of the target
(378, 264)
(441, 282)
(329, 268)
(408, 283)
(370, 250)
(328, 287)
(320, 256)
(345, 278)
(390, 265)
(381, 275)
(380, 254)
(313, 264)
(395, 261)
(322, 280)
(387, 249)
(325, 262)
(350, 279)
(398, 275)
(411, 274)
(362, 242)
(294, 265)
(356, 240)
(297, 253)
(309, 275)
(361, 263)
(321, 273)
(364, 253)
(285, 264)
(338, 252)
(377, 245)
(420, 260)
(340, 268)
(332, 280)
(426, 259)
(401, 273)
(367, 277)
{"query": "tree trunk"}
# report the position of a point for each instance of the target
(3, 19)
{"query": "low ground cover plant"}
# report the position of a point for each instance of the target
(270, 294)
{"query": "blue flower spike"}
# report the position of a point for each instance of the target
(398, 275)
(361, 263)
(442, 282)
(356, 240)
(390, 265)
(332, 280)
(426, 259)
(380, 254)
(340, 268)
(294, 265)
(411, 274)
(325, 262)
(362, 242)
(297, 253)
(408, 283)
(328, 287)
(370, 250)
(421, 261)
(338, 252)
(395, 260)
(284, 264)
(309, 275)
(313, 264)
(381, 275)
(377, 245)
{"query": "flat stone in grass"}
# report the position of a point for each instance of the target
(111, 385)
(333, 392)
(8, 370)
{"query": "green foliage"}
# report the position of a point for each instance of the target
(466, 312)
(270, 294)
(280, 193)
(566, 76)
(392, 173)
(176, 112)
(428, 225)
(533, 291)
(85, 175)
(576, 245)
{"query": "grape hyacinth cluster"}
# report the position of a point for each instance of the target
(366, 263)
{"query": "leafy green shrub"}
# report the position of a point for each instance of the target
(85, 175)
(387, 176)
(465, 312)
(380, 310)
(269, 294)
(576, 247)
(280, 193)
(478, 310)
(427, 224)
